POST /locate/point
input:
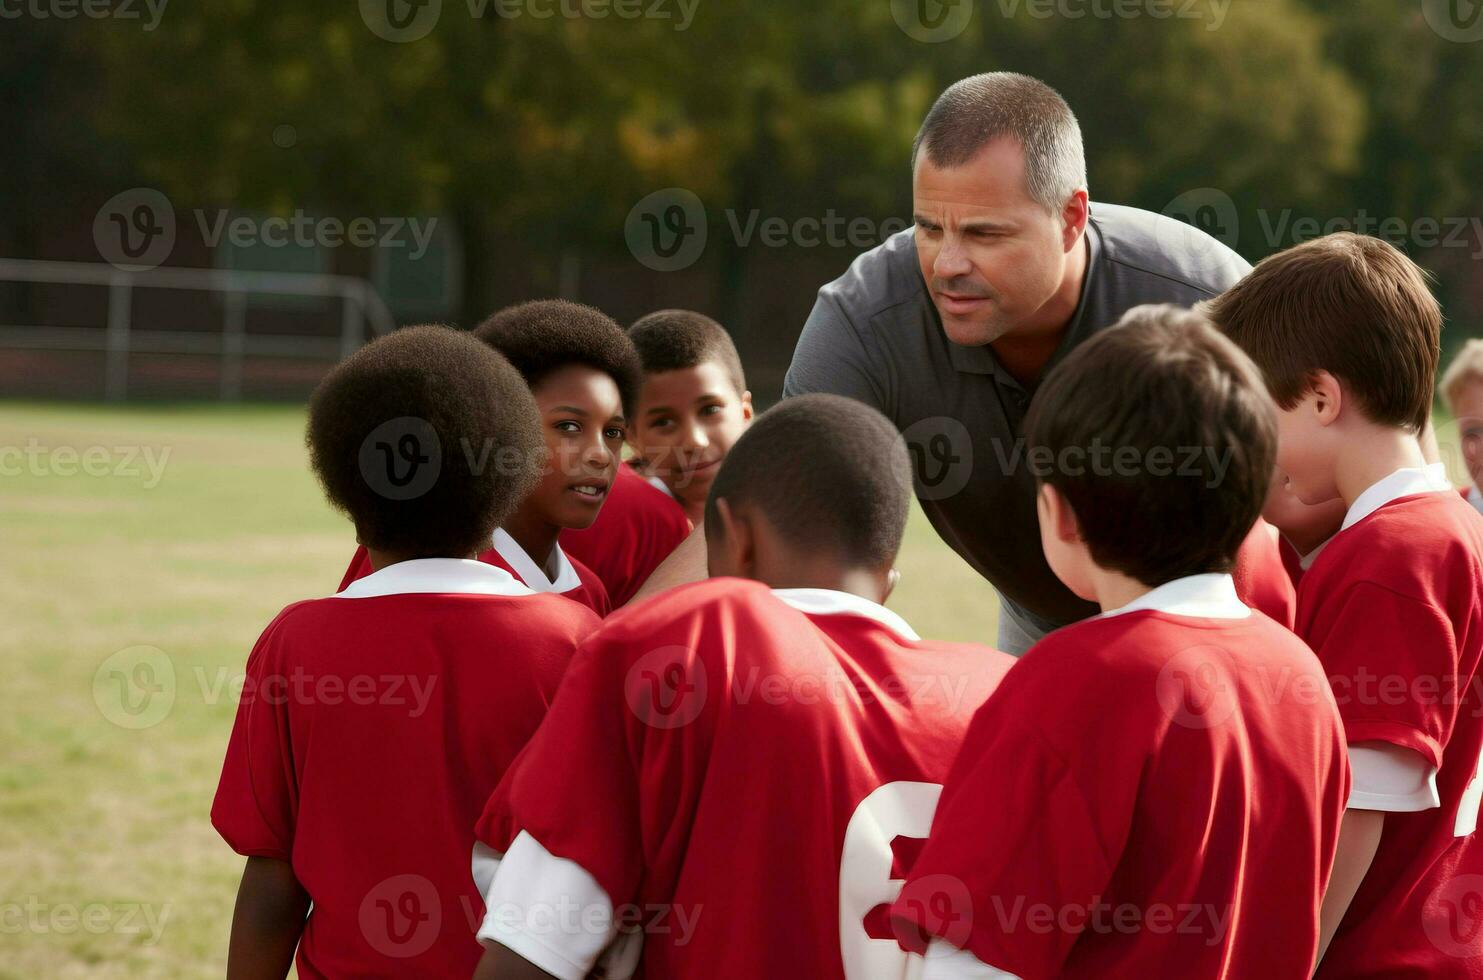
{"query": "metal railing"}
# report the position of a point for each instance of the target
(361, 305)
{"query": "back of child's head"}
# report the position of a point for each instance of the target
(1348, 304)
(427, 439)
(1159, 436)
(672, 340)
(1465, 371)
(542, 336)
(830, 474)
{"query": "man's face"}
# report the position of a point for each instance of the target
(991, 256)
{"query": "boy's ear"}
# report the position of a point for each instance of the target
(1056, 514)
(738, 543)
(746, 402)
(892, 578)
(1328, 397)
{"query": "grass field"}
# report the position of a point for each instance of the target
(141, 552)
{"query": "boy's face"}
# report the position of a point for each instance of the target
(1305, 526)
(1306, 452)
(687, 421)
(583, 428)
(1469, 408)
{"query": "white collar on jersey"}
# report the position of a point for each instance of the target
(829, 602)
(451, 575)
(1475, 497)
(660, 485)
(1436, 472)
(1208, 596)
(532, 574)
(1402, 483)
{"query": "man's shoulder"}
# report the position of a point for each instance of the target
(880, 279)
(1164, 253)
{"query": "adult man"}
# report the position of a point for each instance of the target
(948, 327)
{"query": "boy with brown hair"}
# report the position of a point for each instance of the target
(1348, 336)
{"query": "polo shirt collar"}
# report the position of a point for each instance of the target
(981, 359)
(529, 571)
(435, 575)
(1403, 482)
(1209, 596)
(830, 602)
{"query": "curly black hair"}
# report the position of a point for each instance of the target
(669, 340)
(851, 499)
(543, 335)
(427, 439)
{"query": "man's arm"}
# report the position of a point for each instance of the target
(685, 564)
(1359, 838)
(267, 923)
(831, 358)
(499, 963)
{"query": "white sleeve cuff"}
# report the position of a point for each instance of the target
(947, 962)
(548, 910)
(1392, 779)
(484, 864)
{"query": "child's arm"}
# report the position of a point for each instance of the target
(1359, 836)
(267, 923)
(501, 963)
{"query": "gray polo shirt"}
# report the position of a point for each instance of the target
(874, 335)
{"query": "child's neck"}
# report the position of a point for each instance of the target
(1371, 453)
(1113, 590)
(381, 559)
(536, 537)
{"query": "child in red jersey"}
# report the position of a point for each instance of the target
(1462, 391)
(374, 724)
(692, 405)
(742, 767)
(1347, 334)
(1155, 791)
(583, 372)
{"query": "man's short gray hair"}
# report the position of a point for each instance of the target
(981, 108)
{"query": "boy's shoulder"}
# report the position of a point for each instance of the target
(1411, 546)
(681, 607)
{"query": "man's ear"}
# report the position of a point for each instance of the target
(1056, 514)
(738, 541)
(746, 403)
(1328, 397)
(1074, 217)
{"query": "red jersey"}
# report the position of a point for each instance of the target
(1262, 579)
(1147, 794)
(637, 528)
(372, 727)
(770, 758)
(573, 580)
(1394, 608)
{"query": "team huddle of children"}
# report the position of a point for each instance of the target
(491, 754)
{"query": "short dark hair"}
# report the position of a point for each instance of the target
(850, 501)
(434, 398)
(981, 108)
(1351, 305)
(1164, 385)
(544, 335)
(670, 340)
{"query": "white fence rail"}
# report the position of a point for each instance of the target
(361, 306)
